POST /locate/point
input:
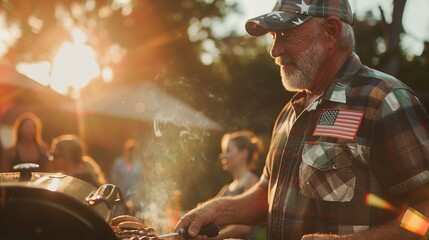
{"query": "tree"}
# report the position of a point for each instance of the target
(392, 33)
(378, 45)
(144, 41)
(151, 36)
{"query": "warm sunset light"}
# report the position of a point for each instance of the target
(306, 119)
(376, 201)
(74, 65)
(412, 220)
(415, 222)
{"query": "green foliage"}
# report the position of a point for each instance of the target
(371, 48)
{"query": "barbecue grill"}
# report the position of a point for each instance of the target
(51, 206)
(44, 206)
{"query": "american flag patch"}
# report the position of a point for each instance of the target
(342, 124)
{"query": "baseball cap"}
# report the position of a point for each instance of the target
(287, 14)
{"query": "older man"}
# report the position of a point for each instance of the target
(350, 133)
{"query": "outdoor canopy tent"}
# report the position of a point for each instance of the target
(145, 102)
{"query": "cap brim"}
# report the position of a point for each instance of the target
(274, 21)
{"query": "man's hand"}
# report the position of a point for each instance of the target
(249, 208)
(202, 215)
(322, 237)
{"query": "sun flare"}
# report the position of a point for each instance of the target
(74, 65)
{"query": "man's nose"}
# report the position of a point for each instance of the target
(278, 47)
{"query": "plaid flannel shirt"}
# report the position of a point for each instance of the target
(368, 133)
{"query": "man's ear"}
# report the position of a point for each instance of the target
(333, 28)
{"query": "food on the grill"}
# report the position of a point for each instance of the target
(130, 225)
(136, 234)
(130, 228)
(123, 218)
(144, 238)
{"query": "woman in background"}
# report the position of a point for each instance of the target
(240, 155)
(127, 173)
(94, 169)
(69, 158)
(28, 145)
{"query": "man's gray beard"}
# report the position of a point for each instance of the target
(307, 64)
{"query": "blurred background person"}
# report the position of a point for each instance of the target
(127, 172)
(28, 145)
(94, 169)
(69, 156)
(240, 155)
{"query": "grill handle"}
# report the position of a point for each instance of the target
(25, 170)
(107, 193)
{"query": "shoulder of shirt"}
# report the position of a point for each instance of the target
(382, 80)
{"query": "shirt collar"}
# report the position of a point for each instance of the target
(336, 91)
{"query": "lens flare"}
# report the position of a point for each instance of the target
(412, 220)
(376, 201)
(415, 222)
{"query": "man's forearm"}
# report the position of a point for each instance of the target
(393, 230)
(232, 231)
(390, 230)
(250, 208)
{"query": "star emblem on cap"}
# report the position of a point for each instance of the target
(275, 14)
(304, 7)
(297, 22)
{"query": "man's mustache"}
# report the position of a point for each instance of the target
(281, 61)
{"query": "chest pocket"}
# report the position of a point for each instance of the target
(326, 173)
